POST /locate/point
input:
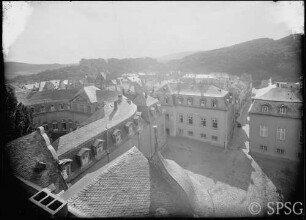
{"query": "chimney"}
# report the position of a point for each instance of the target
(115, 105)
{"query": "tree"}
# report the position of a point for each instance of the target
(19, 118)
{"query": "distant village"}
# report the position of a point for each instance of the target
(90, 139)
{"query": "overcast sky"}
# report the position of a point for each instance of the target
(54, 32)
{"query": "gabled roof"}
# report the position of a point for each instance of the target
(126, 187)
(88, 92)
(75, 138)
(23, 154)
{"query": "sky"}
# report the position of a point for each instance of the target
(65, 32)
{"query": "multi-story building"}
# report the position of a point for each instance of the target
(276, 123)
(199, 111)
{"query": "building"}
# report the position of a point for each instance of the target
(276, 123)
(199, 111)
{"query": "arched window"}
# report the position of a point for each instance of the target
(265, 108)
(283, 109)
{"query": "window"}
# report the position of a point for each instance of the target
(215, 123)
(180, 100)
(61, 106)
(54, 125)
(214, 138)
(88, 109)
(280, 151)
(190, 133)
(264, 108)
(42, 108)
(214, 103)
(202, 102)
(189, 101)
(280, 134)
(167, 116)
(203, 136)
(181, 118)
(153, 111)
(190, 120)
(70, 125)
(166, 100)
(67, 170)
(202, 122)
(52, 108)
(180, 131)
(45, 126)
(68, 106)
(263, 148)
(283, 110)
(64, 126)
(117, 136)
(263, 131)
(85, 158)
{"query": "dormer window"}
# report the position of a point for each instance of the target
(42, 108)
(99, 147)
(189, 101)
(202, 102)
(153, 111)
(64, 125)
(52, 108)
(65, 165)
(83, 156)
(264, 108)
(68, 106)
(283, 109)
(61, 106)
(166, 100)
(129, 128)
(55, 126)
(117, 136)
(159, 107)
(45, 125)
(180, 100)
(214, 103)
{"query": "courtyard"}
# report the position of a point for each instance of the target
(232, 177)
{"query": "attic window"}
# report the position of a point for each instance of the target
(84, 156)
(66, 167)
(202, 102)
(189, 101)
(214, 103)
(61, 106)
(180, 100)
(117, 136)
(283, 109)
(264, 108)
(129, 127)
(99, 147)
(52, 108)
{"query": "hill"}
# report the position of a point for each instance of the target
(262, 58)
(175, 56)
(13, 69)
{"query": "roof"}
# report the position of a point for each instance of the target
(140, 100)
(281, 95)
(23, 154)
(50, 96)
(89, 92)
(195, 89)
(76, 138)
(128, 186)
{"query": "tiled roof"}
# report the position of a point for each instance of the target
(126, 187)
(23, 154)
(195, 90)
(281, 95)
(74, 139)
(89, 92)
(50, 96)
